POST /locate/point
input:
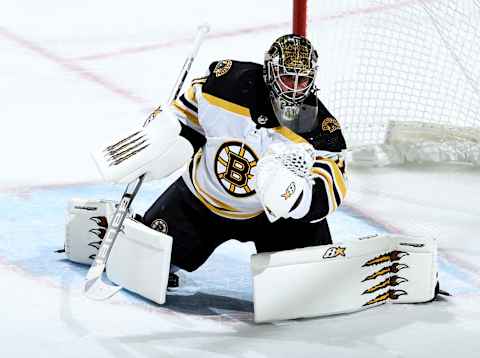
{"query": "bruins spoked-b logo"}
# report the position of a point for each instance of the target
(233, 166)
(159, 225)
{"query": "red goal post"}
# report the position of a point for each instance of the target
(401, 76)
(299, 20)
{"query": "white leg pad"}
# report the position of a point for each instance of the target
(86, 225)
(341, 278)
(140, 261)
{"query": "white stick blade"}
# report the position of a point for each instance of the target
(99, 290)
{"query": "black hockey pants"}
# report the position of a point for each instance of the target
(196, 231)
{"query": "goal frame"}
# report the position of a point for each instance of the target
(299, 19)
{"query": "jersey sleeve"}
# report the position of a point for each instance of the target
(330, 185)
(185, 107)
(329, 169)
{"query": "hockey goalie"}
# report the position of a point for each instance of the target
(263, 162)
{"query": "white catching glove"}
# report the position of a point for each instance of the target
(284, 182)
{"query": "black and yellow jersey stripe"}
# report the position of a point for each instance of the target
(329, 177)
(240, 89)
(290, 135)
(187, 106)
(227, 105)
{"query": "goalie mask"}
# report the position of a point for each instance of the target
(289, 72)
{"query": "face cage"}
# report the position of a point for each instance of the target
(290, 94)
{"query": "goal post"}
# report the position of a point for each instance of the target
(401, 76)
(299, 21)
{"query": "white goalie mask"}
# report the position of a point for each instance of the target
(289, 71)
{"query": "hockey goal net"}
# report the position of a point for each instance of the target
(403, 77)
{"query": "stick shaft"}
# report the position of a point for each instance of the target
(95, 288)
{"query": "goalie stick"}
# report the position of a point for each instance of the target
(95, 286)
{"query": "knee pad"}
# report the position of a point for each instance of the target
(140, 260)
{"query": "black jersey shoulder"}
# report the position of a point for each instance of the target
(328, 133)
(234, 81)
(241, 83)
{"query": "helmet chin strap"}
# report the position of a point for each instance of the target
(290, 113)
(296, 117)
(286, 113)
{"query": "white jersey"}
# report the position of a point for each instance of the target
(238, 126)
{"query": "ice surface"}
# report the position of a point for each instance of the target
(72, 73)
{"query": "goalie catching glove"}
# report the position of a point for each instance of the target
(284, 181)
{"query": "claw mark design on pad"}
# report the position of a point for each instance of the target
(388, 257)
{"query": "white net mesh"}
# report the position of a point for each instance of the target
(411, 62)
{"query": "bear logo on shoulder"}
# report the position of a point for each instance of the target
(222, 67)
(330, 125)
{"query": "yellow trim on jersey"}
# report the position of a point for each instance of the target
(324, 174)
(226, 105)
(190, 95)
(199, 81)
(225, 214)
(179, 106)
(217, 202)
(339, 178)
(289, 134)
